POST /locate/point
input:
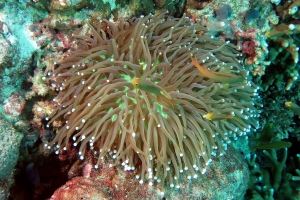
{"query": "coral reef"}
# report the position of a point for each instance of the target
(6, 50)
(41, 109)
(271, 176)
(39, 86)
(282, 74)
(9, 151)
(14, 105)
(41, 38)
(284, 45)
(9, 148)
(244, 22)
(286, 125)
(15, 67)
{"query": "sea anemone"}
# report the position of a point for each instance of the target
(131, 91)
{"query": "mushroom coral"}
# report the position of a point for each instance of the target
(101, 110)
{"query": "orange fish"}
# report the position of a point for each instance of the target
(218, 76)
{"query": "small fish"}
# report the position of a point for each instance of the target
(213, 116)
(218, 76)
(266, 134)
(272, 145)
(293, 107)
(267, 139)
(150, 87)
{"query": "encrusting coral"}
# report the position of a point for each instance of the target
(131, 91)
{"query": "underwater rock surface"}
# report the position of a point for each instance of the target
(226, 178)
